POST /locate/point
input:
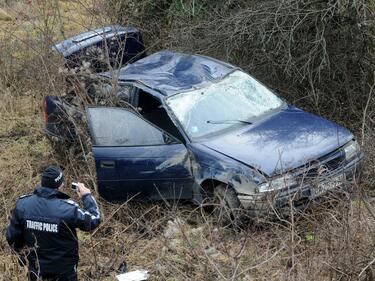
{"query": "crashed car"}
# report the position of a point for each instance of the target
(199, 127)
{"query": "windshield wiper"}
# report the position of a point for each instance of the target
(228, 121)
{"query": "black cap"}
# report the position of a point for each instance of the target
(52, 177)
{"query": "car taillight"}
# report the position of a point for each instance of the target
(45, 111)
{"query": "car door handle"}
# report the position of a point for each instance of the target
(107, 164)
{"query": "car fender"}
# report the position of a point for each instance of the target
(210, 166)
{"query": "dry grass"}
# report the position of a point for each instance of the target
(332, 241)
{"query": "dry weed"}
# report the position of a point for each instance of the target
(175, 241)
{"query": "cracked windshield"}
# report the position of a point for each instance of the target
(235, 100)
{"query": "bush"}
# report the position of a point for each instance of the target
(318, 54)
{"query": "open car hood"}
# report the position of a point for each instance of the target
(284, 141)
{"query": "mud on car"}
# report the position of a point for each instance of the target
(193, 126)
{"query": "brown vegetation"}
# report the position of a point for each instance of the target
(317, 54)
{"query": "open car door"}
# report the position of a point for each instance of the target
(133, 157)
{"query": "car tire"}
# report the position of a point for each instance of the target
(225, 209)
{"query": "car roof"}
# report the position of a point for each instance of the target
(172, 72)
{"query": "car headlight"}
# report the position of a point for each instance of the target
(277, 183)
(351, 149)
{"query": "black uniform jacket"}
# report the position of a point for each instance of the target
(45, 223)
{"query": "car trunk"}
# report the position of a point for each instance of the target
(102, 49)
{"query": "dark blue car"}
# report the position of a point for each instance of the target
(197, 127)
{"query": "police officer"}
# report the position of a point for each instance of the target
(43, 227)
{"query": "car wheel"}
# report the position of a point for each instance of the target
(225, 206)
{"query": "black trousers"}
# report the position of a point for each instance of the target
(69, 275)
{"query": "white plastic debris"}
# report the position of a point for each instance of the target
(173, 228)
(137, 275)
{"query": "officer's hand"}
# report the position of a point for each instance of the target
(82, 190)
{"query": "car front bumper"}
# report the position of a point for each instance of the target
(299, 197)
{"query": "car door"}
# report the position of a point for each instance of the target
(133, 157)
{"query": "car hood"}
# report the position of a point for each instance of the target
(281, 142)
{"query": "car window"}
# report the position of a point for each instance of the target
(119, 127)
(152, 110)
(236, 100)
(123, 92)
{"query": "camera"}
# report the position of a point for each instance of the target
(74, 186)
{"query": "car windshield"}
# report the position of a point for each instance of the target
(235, 100)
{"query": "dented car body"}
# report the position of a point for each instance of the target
(199, 123)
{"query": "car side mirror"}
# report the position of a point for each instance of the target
(168, 140)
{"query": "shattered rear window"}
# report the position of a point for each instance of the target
(230, 102)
